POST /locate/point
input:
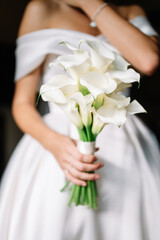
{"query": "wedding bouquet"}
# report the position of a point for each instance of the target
(91, 92)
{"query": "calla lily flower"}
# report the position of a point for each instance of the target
(77, 63)
(121, 87)
(115, 109)
(135, 107)
(110, 113)
(98, 83)
(85, 104)
(120, 100)
(98, 101)
(70, 60)
(76, 71)
(126, 76)
(58, 89)
(71, 110)
(119, 63)
(101, 56)
(97, 125)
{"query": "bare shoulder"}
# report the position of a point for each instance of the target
(135, 11)
(34, 18)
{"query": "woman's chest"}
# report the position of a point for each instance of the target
(71, 19)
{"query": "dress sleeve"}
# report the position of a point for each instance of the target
(143, 24)
(32, 49)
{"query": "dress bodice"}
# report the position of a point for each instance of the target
(43, 45)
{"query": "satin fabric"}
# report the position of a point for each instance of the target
(31, 204)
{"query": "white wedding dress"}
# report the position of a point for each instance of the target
(31, 204)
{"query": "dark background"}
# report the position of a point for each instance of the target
(10, 16)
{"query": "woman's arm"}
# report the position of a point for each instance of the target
(29, 121)
(140, 50)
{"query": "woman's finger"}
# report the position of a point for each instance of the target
(73, 179)
(87, 158)
(84, 167)
(82, 175)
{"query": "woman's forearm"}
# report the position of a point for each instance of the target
(29, 121)
(140, 50)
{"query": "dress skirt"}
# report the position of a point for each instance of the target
(33, 208)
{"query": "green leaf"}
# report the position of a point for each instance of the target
(38, 99)
(61, 43)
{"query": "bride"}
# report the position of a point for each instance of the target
(127, 164)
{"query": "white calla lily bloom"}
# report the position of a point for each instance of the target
(76, 71)
(110, 113)
(58, 89)
(98, 101)
(101, 56)
(135, 107)
(126, 76)
(119, 63)
(71, 110)
(120, 100)
(71, 60)
(85, 104)
(97, 125)
(115, 109)
(98, 83)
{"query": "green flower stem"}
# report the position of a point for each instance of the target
(83, 195)
(77, 194)
(82, 135)
(86, 195)
(94, 194)
(94, 136)
(72, 194)
(89, 134)
(89, 192)
(96, 190)
(65, 186)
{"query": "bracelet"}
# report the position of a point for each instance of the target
(93, 23)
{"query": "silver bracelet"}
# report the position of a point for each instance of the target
(93, 23)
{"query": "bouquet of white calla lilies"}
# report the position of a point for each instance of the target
(91, 92)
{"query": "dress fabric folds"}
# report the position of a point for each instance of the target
(31, 204)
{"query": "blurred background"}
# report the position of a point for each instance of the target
(10, 16)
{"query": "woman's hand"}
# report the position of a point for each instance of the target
(74, 164)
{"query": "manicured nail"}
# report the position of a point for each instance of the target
(96, 177)
(84, 184)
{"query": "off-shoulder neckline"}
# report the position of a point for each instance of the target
(67, 31)
(60, 30)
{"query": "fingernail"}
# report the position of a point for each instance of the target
(84, 184)
(96, 177)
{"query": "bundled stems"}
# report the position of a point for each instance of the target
(81, 195)
(84, 195)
